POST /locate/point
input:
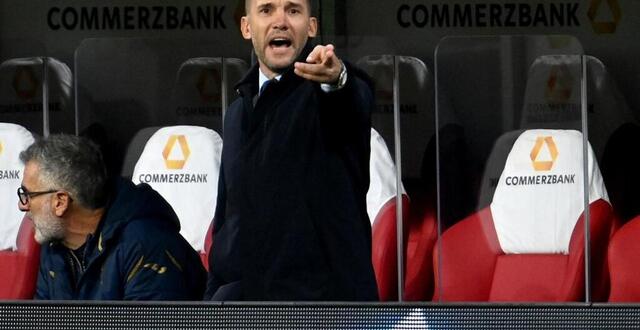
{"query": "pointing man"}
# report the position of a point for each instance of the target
(291, 221)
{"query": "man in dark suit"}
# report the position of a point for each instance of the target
(291, 221)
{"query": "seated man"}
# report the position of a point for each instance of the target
(101, 240)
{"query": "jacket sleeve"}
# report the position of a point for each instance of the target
(352, 104)
(167, 269)
(345, 119)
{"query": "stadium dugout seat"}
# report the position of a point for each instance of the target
(528, 244)
(419, 231)
(417, 127)
(21, 94)
(624, 263)
(182, 164)
(19, 252)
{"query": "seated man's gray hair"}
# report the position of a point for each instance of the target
(73, 164)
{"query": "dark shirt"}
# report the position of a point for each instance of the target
(291, 221)
(76, 262)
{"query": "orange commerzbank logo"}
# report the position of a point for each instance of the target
(176, 164)
(208, 85)
(0, 148)
(559, 84)
(604, 26)
(25, 83)
(544, 165)
(384, 92)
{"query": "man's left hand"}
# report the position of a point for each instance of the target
(322, 65)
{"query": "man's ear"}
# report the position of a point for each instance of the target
(245, 28)
(61, 203)
(313, 27)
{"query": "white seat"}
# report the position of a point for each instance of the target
(382, 173)
(182, 163)
(13, 140)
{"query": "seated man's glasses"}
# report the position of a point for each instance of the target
(25, 195)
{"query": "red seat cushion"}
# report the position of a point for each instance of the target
(423, 232)
(624, 263)
(383, 250)
(20, 268)
(208, 245)
(472, 267)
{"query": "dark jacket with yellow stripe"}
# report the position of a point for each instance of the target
(136, 253)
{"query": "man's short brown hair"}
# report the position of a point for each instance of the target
(311, 4)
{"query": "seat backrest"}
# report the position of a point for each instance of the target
(624, 263)
(182, 163)
(539, 197)
(528, 245)
(21, 94)
(19, 252)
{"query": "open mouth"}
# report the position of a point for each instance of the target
(280, 42)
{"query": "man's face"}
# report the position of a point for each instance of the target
(279, 30)
(48, 226)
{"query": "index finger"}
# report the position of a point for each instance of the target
(322, 55)
(316, 55)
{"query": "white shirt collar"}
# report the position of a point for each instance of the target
(262, 78)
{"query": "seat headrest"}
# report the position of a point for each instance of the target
(553, 97)
(198, 92)
(182, 164)
(21, 99)
(416, 106)
(382, 173)
(539, 197)
(22, 79)
(13, 140)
